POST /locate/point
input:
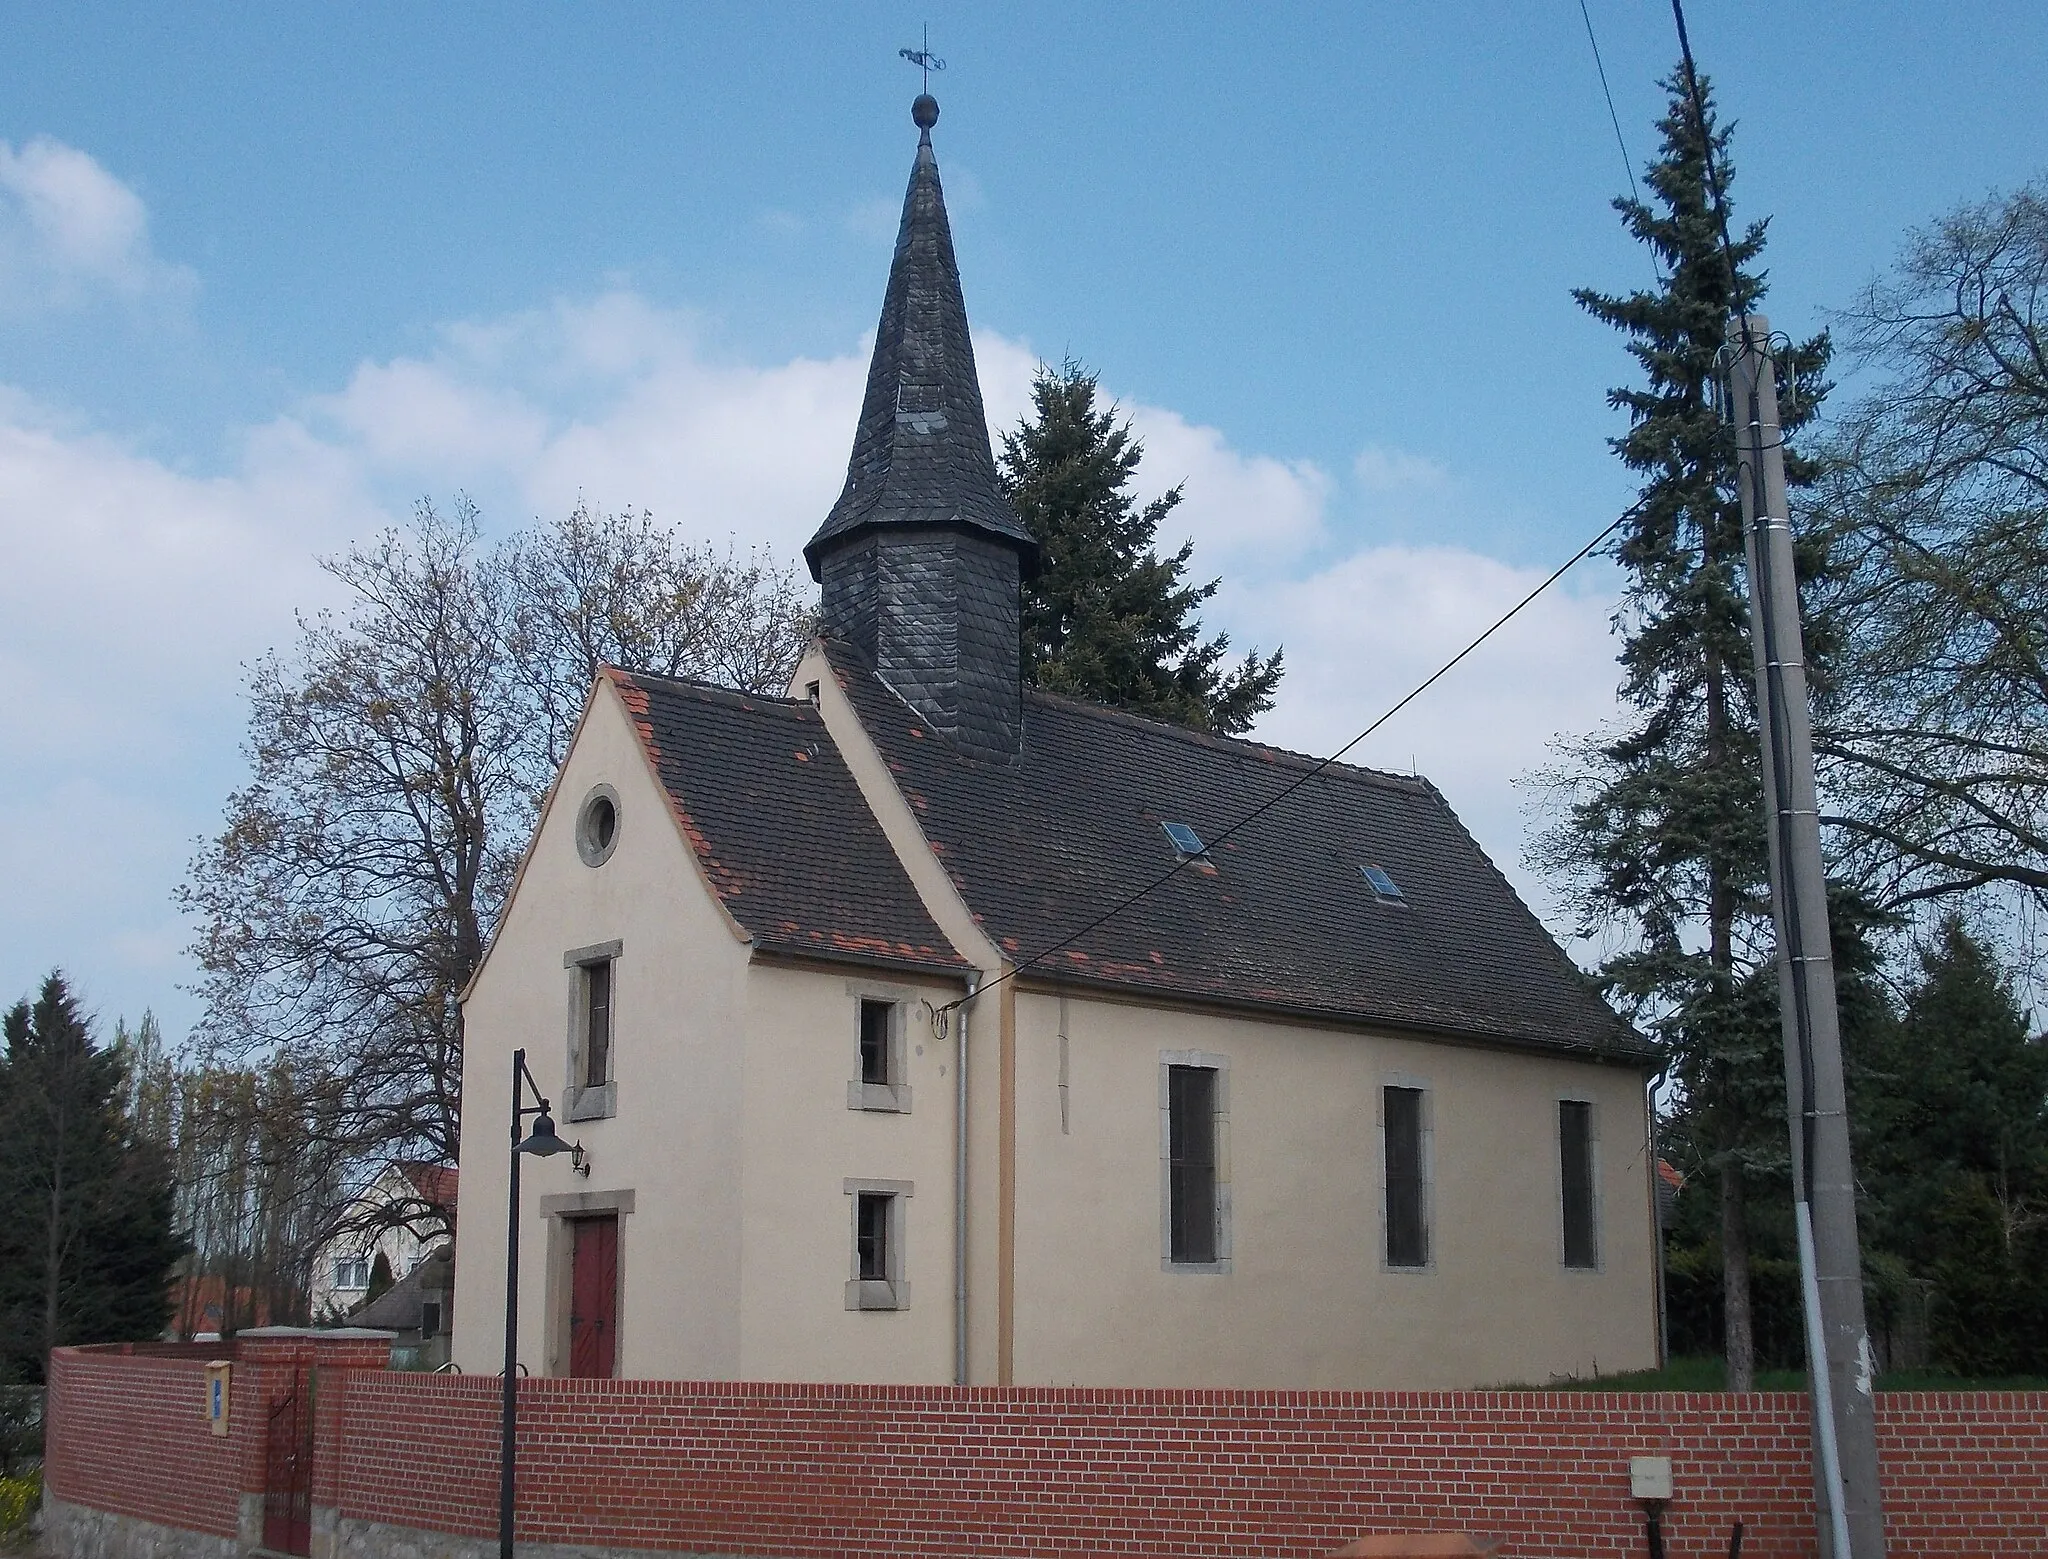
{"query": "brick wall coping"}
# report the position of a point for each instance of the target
(1437, 1402)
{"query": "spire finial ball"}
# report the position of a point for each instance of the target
(924, 113)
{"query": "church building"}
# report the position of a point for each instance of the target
(872, 1086)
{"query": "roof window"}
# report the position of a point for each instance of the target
(1187, 844)
(1384, 888)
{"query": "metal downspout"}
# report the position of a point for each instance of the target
(960, 1187)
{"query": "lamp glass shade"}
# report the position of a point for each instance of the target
(543, 1141)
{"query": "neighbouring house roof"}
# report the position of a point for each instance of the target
(397, 1309)
(434, 1183)
(206, 1304)
(779, 826)
(921, 454)
(1282, 918)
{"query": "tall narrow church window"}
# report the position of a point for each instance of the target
(1191, 1163)
(1575, 1165)
(1406, 1220)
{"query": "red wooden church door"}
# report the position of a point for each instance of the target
(594, 1297)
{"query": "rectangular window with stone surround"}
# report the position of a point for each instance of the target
(592, 1091)
(877, 1277)
(880, 1080)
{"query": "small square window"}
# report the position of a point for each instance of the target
(430, 1320)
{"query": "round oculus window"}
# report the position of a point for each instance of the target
(597, 826)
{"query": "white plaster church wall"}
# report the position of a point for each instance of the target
(679, 1007)
(1307, 1301)
(801, 1143)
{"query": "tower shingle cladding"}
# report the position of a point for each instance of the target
(922, 555)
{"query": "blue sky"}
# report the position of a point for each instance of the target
(264, 282)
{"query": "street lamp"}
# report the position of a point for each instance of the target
(542, 1142)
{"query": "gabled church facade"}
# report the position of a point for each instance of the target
(860, 1098)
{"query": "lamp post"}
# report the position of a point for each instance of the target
(542, 1143)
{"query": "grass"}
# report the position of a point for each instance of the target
(1710, 1374)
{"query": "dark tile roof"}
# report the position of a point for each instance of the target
(778, 823)
(921, 453)
(1283, 920)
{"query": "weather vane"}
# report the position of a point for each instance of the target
(924, 59)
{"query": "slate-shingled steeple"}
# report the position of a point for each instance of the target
(922, 555)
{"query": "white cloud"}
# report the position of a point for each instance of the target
(131, 596)
(1364, 631)
(135, 591)
(1381, 469)
(71, 231)
(1248, 513)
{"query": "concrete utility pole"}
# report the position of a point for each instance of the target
(1839, 1356)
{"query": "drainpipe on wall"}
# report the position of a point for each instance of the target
(960, 1186)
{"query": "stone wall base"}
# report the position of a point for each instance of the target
(80, 1532)
(355, 1539)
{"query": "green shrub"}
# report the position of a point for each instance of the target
(21, 1427)
(1692, 1297)
(19, 1500)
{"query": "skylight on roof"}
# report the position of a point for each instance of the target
(1383, 886)
(1186, 841)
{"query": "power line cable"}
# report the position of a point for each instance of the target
(1281, 795)
(1627, 162)
(1699, 115)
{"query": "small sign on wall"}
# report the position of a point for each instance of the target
(217, 1395)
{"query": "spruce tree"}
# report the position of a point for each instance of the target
(1664, 839)
(86, 1243)
(1959, 1093)
(1108, 618)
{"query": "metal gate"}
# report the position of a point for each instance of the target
(288, 1472)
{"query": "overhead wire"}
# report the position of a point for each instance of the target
(1627, 162)
(1281, 795)
(1154, 884)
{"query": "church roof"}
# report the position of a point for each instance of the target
(921, 453)
(780, 828)
(1281, 917)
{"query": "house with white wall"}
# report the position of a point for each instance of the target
(921, 1027)
(401, 1215)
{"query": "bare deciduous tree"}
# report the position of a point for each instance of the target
(1936, 751)
(398, 757)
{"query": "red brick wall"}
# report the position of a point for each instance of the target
(914, 1470)
(128, 1433)
(796, 1469)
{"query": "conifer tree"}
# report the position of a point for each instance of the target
(1664, 836)
(1960, 1093)
(1108, 618)
(86, 1243)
